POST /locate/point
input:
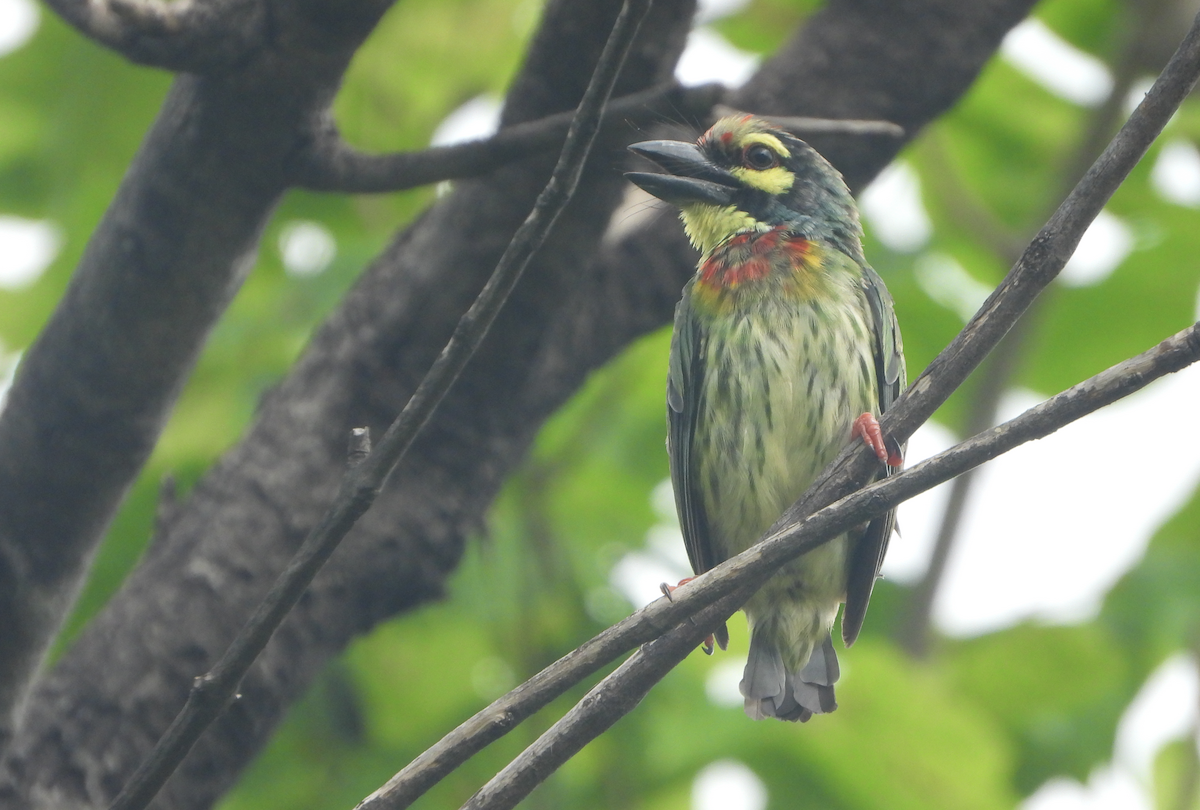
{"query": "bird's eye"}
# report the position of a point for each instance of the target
(757, 156)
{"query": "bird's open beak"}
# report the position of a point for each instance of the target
(692, 178)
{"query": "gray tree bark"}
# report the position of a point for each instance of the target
(100, 709)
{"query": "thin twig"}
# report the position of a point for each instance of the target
(804, 126)
(1037, 267)
(1040, 263)
(915, 633)
(1048, 252)
(362, 483)
(331, 164)
(621, 691)
(993, 377)
(610, 700)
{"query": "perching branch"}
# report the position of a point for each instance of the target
(610, 700)
(362, 483)
(914, 633)
(1038, 266)
(993, 378)
(1040, 263)
(92, 717)
(721, 591)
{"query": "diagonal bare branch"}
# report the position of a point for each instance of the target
(1038, 265)
(89, 727)
(621, 691)
(363, 482)
(915, 631)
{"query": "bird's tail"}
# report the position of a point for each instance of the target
(771, 690)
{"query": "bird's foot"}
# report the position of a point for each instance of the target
(666, 591)
(866, 427)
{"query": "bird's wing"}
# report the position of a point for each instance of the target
(685, 383)
(890, 378)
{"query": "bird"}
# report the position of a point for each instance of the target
(785, 348)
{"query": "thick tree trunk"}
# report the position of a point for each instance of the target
(93, 717)
(93, 392)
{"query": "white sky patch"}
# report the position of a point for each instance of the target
(909, 552)
(722, 684)
(18, 22)
(1107, 789)
(1176, 173)
(306, 247)
(1052, 525)
(638, 574)
(1163, 711)
(27, 246)
(8, 368)
(709, 57)
(709, 10)
(476, 119)
(946, 281)
(1057, 65)
(662, 498)
(892, 207)
(1138, 91)
(637, 208)
(728, 785)
(1105, 244)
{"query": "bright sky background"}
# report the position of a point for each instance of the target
(1062, 482)
(18, 21)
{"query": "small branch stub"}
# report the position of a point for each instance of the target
(359, 446)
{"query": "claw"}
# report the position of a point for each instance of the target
(666, 589)
(866, 427)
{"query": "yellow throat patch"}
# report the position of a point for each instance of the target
(709, 225)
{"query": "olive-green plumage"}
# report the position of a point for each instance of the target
(782, 339)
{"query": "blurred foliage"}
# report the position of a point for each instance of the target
(980, 723)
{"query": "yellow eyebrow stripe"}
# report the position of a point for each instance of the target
(766, 139)
(773, 181)
(777, 180)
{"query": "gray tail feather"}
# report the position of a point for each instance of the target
(771, 691)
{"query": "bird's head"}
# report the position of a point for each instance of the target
(746, 175)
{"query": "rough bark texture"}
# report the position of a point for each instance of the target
(93, 392)
(102, 707)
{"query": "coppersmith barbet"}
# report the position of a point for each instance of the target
(785, 347)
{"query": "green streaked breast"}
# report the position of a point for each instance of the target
(783, 382)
